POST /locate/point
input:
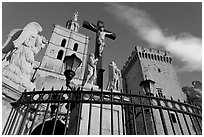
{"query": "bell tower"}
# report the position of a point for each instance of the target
(64, 41)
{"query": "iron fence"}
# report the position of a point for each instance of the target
(79, 112)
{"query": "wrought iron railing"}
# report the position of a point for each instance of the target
(93, 112)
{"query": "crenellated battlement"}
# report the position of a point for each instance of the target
(147, 53)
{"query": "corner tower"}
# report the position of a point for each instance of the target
(155, 65)
(64, 41)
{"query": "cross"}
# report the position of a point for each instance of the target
(101, 33)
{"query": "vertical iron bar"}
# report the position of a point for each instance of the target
(57, 112)
(172, 125)
(143, 117)
(163, 121)
(122, 108)
(186, 124)
(197, 120)
(101, 113)
(118, 123)
(179, 123)
(33, 120)
(79, 114)
(111, 112)
(23, 120)
(90, 109)
(44, 118)
(133, 117)
(152, 114)
(192, 121)
(8, 121)
(12, 121)
(67, 116)
(18, 118)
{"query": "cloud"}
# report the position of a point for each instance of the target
(185, 47)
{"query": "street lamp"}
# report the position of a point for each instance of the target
(71, 63)
(148, 86)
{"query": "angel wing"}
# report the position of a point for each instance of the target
(8, 46)
(31, 29)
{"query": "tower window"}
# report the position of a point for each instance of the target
(159, 70)
(60, 54)
(155, 57)
(63, 43)
(140, 54)
(75, 47)
(146, 55)
(161, 58)
(158, 58)
(152, 56)
(149, 56)
(173, 118)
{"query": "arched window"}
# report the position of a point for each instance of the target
(140, 54)
(149, 56)
(63, 43)
(146, 55)
(158, 58)
(60, 54)
(170, 60)
(161, 58)
(164, 59)
(75, 47)
(152, 56)
(155, 57)
(167, 59)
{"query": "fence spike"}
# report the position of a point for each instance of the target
(92, 89)
(43, 88)
(61, 88)
(164, 96)
(156, 95)
(34, 90)
(172, 98)
(178, 100)
(52, 88)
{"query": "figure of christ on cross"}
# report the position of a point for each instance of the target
(101, 33)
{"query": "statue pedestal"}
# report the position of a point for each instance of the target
(90, 114)
(11, 92)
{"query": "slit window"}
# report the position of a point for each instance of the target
(75, 47)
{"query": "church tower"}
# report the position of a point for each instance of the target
(155, 65)
(63, 42)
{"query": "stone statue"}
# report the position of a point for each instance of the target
(114, 76)
(194, 94)
(100, 37)
(76, 16)
(90, 73)
(20, 54)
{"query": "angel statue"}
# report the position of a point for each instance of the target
(18, 54)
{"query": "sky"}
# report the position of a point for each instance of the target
(172, 26)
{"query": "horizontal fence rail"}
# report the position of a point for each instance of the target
(61, 112)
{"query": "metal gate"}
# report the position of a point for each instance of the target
(57, 112)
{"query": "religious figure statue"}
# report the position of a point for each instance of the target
(194, 94)
(90, 72)
(100, 37)
(19, 53)
(114, 76)
(76, 16)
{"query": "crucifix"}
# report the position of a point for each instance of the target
(101, 33)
